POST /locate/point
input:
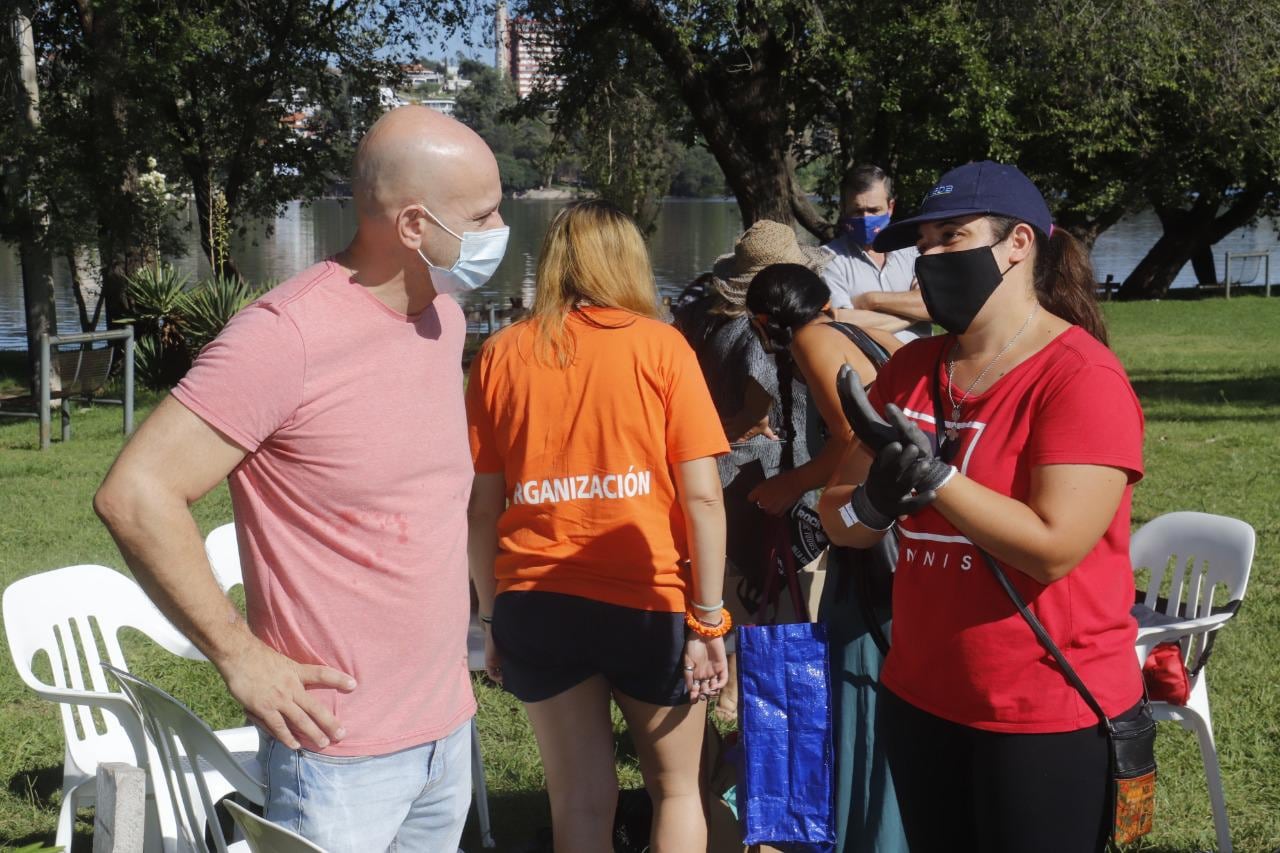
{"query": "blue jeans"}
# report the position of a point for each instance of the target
(408, 801)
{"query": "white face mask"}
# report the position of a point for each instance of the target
(478, 257)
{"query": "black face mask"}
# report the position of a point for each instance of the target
(955, 285)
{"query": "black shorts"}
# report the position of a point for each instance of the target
(550, 642)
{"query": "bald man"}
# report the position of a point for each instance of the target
(333, 405)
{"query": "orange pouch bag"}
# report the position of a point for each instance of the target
(1133, 773)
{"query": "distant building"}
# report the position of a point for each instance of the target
(388, 99)
(440, 105)
(453, 81)
(416, 74)
(297, 122)
(501, 41)
(530, 49)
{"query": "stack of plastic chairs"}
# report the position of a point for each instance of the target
(73, 617)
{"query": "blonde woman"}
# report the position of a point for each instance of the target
(597, 530)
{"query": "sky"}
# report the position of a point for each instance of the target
(481, 35)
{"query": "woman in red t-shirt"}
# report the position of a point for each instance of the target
(990, 747)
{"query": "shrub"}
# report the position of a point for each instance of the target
(173, 321)
(208, 307)
(156, 295)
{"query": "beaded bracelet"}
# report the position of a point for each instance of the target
(709, 632)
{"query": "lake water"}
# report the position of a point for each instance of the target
(689, 236)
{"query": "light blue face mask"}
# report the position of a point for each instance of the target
(478, 257)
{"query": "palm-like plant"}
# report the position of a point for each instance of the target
(207, 308)
(173, 321)
(156, 294)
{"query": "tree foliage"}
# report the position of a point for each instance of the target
(697, 175)
(1112, 106)
(203, 88)
(523, 145)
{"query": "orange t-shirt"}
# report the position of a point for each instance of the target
(586, 452)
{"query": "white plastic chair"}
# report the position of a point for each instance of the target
(263, 836)
(180, 741)
(221, 548)
(72, 617)
(1192, 556)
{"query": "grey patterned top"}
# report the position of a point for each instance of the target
(730, 355)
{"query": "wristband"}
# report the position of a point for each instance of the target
(709, 632)
(861, 511)
(947, 479)
(939, 475)
(710, 608)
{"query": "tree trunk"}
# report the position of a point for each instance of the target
(1156, 271)
(32, 216)
(119, 253)
(85, 286)
(763, 190)
(37, 295)
(1186, 234)
(1087, 229)
(742, 115)
(1205, 267)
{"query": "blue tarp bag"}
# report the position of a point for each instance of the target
(786, 784)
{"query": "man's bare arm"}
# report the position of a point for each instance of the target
(908, 304)
(871, 319)
(173, 461)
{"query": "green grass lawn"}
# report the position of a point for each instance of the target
(1209, 377)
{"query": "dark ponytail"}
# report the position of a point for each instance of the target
(786, 399)
(783, 298)
(1064, 280)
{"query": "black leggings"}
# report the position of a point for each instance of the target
(962, 789)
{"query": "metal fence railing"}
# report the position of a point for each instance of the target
(1264, 260)
(48, 346)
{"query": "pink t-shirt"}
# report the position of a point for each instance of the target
(350, 506)
(961, 651)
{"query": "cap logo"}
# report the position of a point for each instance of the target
(940, 189)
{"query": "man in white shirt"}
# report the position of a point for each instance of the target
(869, 288)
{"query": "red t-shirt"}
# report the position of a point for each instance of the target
(961, 650)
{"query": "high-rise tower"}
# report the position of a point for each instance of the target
(502, 41)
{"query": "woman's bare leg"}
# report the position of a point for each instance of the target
(669, 744)
(575, 738)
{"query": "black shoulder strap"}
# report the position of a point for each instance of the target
(872, 349)
(1043, 636)
(1037, 628)
(877, 355)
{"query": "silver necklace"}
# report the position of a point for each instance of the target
(952, 432)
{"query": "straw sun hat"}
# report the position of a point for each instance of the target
(763, 244)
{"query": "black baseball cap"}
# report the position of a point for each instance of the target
(986, 187)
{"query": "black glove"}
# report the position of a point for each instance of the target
(888, 490)
(868, 426)
(933, 472)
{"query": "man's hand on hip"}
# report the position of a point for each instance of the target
(272, 689)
